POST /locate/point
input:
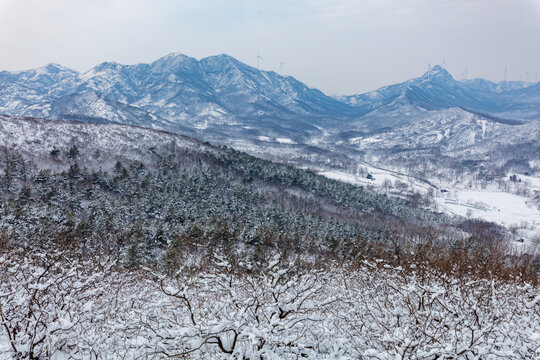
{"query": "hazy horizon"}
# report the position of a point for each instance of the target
(340, 47)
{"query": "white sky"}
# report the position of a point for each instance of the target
(339, 46)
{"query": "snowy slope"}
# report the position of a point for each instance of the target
(36, 138)
(453, 130)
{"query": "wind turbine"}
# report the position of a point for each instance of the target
(505, 72)
(281, 63)
(259, 58)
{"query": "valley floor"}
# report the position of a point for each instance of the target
(517, 213)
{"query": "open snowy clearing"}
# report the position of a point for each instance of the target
(499, 207)
(506, 209)
(379, 177)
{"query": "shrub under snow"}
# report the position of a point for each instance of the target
(58, 307)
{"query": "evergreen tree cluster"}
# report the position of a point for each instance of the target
(185, 198)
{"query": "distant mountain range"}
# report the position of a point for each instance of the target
(223, 100)
(437, 89)
(175, 92)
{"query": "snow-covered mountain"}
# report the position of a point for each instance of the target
(449, 130)
(437, 89)
(221, 96)
(95, 209)
(175, 92)
(222, 90)
(224, 101)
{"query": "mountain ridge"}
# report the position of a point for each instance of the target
(261, 93)
(224, 101)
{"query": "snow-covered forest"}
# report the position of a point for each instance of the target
(117, 248)
(320, 180)
(55, 306)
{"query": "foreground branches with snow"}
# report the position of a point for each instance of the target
(55, 306)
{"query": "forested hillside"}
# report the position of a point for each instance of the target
(118, 241)
(177, 191)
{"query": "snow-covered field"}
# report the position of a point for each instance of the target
(502, 208)
(510, 210)
(379, 178)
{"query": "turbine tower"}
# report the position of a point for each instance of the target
(505, 72)
(259, 58)
(281, 63)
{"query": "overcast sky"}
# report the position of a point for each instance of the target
(338, 46)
